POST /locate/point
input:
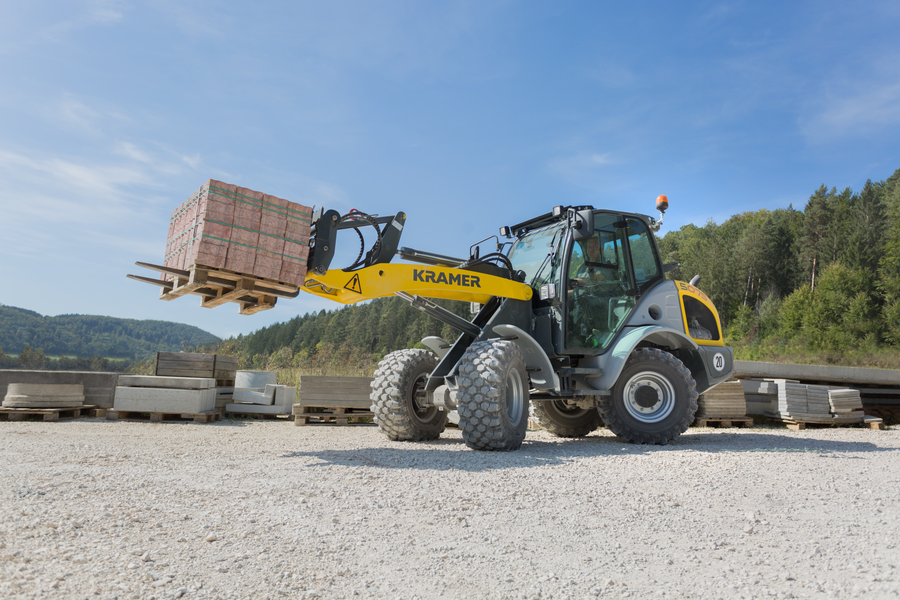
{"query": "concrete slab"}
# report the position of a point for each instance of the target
(164, 400)
(744, 369)
(285, 396)
(257, 409)
(157, 381)
(259, 398)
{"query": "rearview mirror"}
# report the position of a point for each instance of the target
(583, 225)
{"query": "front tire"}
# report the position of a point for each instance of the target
(397, 392)
(493, 396)
(561, 420)
(653, 401)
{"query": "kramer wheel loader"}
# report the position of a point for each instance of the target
(575, 317)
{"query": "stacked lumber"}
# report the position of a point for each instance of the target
(724, 401)
(164, 395)
(193, 364)
(223, 226)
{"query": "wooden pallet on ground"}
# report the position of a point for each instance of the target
(51, 414)
(723, 422)
(159, 417)
(797, 423)
(308, 415)
(218, 286)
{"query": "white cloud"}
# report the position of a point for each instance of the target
(869, 108)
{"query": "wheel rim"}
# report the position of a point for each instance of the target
(423, 414)
(649, 397)
(515, 396)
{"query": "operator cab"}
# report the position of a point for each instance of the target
(587, 275)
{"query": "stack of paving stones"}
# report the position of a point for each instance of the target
(224, 226)
(808, 403)
(760, 395)
(845, 403)
(725, 401)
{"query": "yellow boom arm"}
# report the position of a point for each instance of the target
(387, 279)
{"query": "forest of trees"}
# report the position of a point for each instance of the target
(820, 284)
(824, 281)
(76, 342)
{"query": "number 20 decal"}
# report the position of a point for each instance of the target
(719, 362)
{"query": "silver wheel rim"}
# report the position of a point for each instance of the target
(422, 414)
(649, 397)
(515, 396)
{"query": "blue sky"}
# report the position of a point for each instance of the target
(465, 115)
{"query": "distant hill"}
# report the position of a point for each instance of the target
(92, 335)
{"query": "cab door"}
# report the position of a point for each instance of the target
(607, 273)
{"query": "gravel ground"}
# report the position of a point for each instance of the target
(262, 509)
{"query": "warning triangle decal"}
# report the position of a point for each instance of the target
(353, 285)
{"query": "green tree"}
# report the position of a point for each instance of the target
(816, 224)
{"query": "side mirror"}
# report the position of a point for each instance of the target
(583, 224)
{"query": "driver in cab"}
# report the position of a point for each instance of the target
(588, 272)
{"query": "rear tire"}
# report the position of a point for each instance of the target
(399, 379)
(493, 396)
(560, 420)
(653, 401)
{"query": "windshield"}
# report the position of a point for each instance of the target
(532, 252)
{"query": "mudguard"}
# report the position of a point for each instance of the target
(613, 361)
(540, 371)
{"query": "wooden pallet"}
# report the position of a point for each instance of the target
(308, 415)
(723, 422)
(797, 424)
(159, 417)
(51, 414)
(218, 286)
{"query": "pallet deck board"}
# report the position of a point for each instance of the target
(52, 414)
(723, 422)
(159, 417)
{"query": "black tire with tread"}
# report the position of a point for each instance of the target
(561, 421)
(486, 373)
(616, 417)
(393, 392)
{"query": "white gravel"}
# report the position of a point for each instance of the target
(262, 509)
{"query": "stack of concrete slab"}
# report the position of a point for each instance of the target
(760, 395)
(224, 226)
(726, 400)
(845, 402)
(44, 395)
(153, 394)
(810, 403)
(272, 400)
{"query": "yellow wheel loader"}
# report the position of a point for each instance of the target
(576, 319)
